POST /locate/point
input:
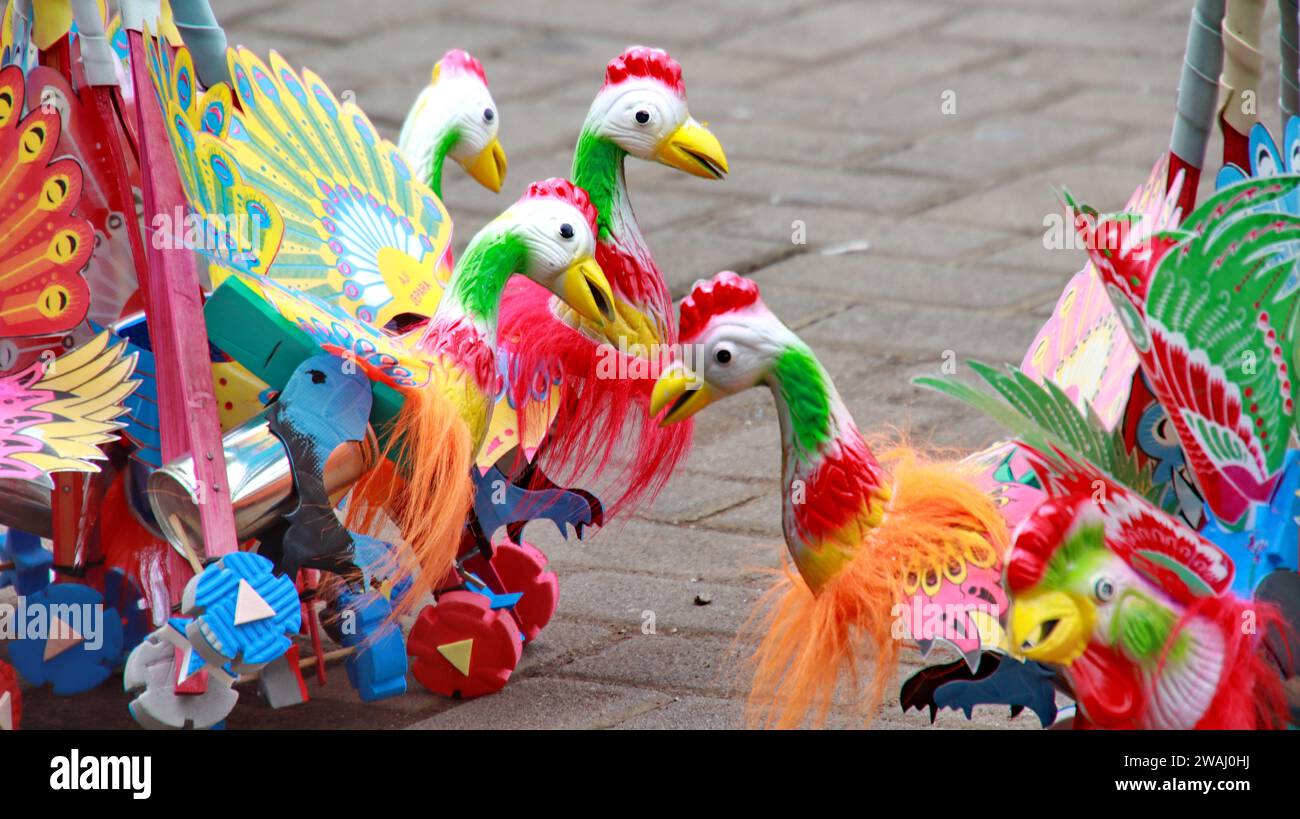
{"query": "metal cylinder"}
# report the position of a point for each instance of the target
(25, 505)
(260, 481)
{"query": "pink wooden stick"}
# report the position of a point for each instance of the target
(179, 335)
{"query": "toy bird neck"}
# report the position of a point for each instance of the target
(811, 411)
(441, 150)
(622, 250)
(474, 292)
(832, 484)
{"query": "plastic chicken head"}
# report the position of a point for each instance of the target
(555, 223)
(730, 342)
(642, 109)
(456, 113)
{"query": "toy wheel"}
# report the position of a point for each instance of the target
(152, 675)
(463, 647)
(77, 645)
(11, 699)
(522, 568)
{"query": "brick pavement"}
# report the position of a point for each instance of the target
(830, 112)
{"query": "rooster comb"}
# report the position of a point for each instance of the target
(640, 61)
(723, 293)
(565, 191)
(459, 61)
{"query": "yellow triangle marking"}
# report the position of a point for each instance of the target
(458, 654)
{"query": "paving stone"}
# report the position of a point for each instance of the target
(685, 255)
(833, 29)
(1060, 30)
(561, 640)
(688, 499)
(690, 714)
(341, 21)
(547, 703)
(785, 184)
(648, 547)
(871, 278)
(1032, 200)
(886, 235)
(927, 331)
(1024, 142)
(895, 63)
(674, 663)
(627, 601)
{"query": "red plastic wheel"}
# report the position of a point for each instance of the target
(522, 568)
(462, 647)
(11, 707)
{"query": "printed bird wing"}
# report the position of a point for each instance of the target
(360, 232)
(43, 247)
(1218, 342)
(56, 415)
(234, 225)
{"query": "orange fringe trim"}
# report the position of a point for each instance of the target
(428, 495)
(811, 644)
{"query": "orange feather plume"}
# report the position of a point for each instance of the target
(811, 643)
(427, 495)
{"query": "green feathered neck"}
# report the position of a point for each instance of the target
(441, 151)
(598, 169)
(480, 277)
(805, 400)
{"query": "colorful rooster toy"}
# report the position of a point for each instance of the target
(869, 538)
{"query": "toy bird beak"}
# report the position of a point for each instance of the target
(488, 167)
(682, 392)
(1051, 626)
(694, 149)
(584, 288)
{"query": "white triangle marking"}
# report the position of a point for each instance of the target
(6, 712)
(62, 637)
(249, 605)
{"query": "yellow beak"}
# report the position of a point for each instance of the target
(584, 288)
(488, 167)
(682, 392)
(1051, 626)
(694, 149)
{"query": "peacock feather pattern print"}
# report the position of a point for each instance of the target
(233, 225)
(43, 247)
(56, 413)
(110, 272)
(360, 231)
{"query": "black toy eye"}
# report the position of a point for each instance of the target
(722, 356)
(566, 231)
(643, 117)
(317, 377)
(489, 115)
(1104, 590)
